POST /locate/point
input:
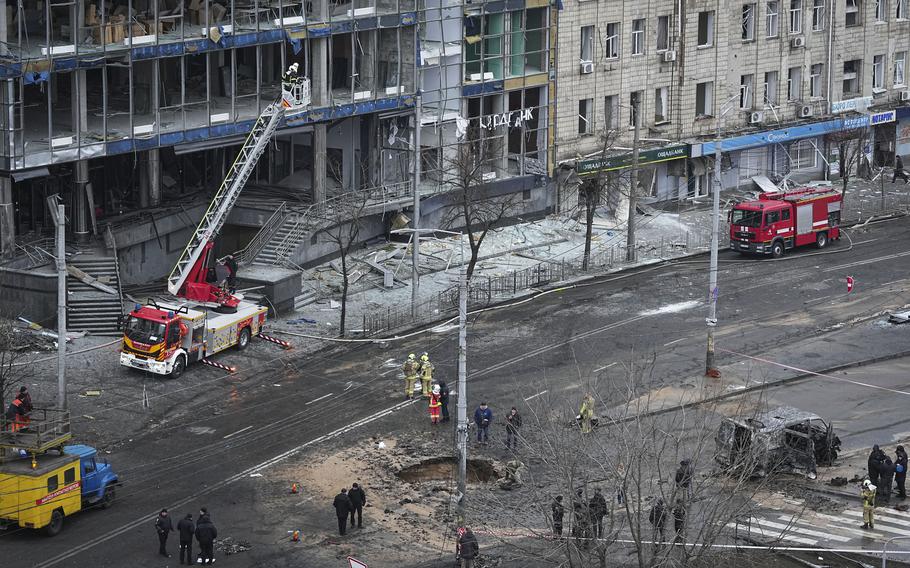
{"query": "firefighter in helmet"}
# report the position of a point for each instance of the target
(410, 369)
(426, 373)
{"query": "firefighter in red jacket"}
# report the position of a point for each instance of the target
(16, 415)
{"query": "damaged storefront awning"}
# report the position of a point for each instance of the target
(622, 161)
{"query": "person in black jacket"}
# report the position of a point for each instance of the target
(886, 478)
(163, 527)
(343, 507)
(598, 510)
(900, 475)
(658, 518)
(186, 527)
(558, 513)
(444, 400)
(899, 170)
(876, 457)
(513, 425)
(358, 499)
(206, 533)
(468, 548)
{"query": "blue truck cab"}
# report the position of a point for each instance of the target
(98, 477)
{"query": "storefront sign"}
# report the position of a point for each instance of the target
(621, 161)
(884, 117)
(851, 104)
(512, 119)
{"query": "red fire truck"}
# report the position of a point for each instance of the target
(782, 220)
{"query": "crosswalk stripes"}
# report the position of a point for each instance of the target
(821, 529)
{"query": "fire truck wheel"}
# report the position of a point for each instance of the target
(244, 340)
(777, 249)
(179, 366)
(821, 239)
(54, 527)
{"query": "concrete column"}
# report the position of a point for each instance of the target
(319, 173)
(319, 84)
(80, 102)
(154, 178)
(143, 171)
(7, 221)
(81, 225)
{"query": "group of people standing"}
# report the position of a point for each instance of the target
(204, 530)
(883, 473)
(437, 394)
(483, 419)
(350, 502)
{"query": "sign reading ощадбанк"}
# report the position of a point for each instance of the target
(620, 161)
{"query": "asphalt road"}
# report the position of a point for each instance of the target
(794, 312)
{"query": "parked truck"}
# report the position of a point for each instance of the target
(51, 481)
(780, 221)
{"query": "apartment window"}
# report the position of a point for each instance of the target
(663, 33)
(612, 41)
(803, 155)
(611, 111)
(745, 91)
(878, 72)
(748, 31)
(638, 37)
(587, 43)
(772, 19)
(771, 88)
(635, 100)
(899, 58)
(818, 15)
(705, 29)
(881, 10)
(704, 99)
(900, 11)
(585, 116)
(796, 16)
(852, 13)
(851, 76)
(661, 104)
(795, 84)
(815, 80)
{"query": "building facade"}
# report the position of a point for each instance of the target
(758, 73)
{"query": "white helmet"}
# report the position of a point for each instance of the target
(436, 389)
(294, 67)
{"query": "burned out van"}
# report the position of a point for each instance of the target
(785, 439)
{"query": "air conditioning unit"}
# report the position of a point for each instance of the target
(756, 117)
(905, 95)
(798, 41)
(587, 67)
(669, 56)
(805, 111)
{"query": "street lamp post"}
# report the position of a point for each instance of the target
(711, 321)
(633, 181)
(415, 251)
(461, 413)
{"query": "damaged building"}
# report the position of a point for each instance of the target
(131, 112)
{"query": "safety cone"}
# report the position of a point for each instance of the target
(294, 488)
(295, 536)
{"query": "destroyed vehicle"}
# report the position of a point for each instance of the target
(782, 440)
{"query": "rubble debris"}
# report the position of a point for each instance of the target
(838, 481)
(230, 546)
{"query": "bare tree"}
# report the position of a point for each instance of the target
(344, 215)
(476, 209)
(594, 190)
(14, 346)
(850, 149)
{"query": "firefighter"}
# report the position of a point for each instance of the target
(410, 375)
(290, 77)
(15, 414)
(435, 405)
(231, 265)
(586, 414)
(868, 496)
(426, 373)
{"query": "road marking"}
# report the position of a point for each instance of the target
(806, 371)
(786, 529)
(237, 432)
(879, 520)
(849, 529)
(318, 399)
(674, 341)
(535, 395)
(78, 549)
(774, 536)
(867, 261)
(605, 367)
(389, 371)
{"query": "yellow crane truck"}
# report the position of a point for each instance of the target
(43, 480)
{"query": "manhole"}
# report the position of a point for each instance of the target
(444, 469)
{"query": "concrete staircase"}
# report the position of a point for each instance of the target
(90, 309)
(268, 256)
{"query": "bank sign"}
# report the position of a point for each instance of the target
(622, 161)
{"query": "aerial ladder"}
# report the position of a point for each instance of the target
(163, 338)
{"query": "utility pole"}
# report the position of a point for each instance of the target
(461, 442)
(633, 181)
(61, 307)
(415, 242)
(711, 320)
